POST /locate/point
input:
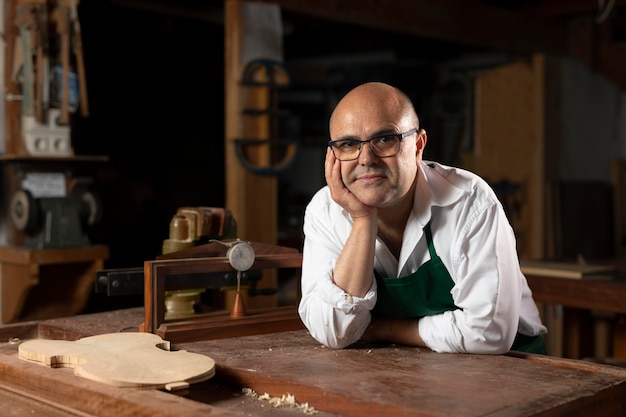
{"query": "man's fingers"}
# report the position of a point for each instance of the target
(328, 164)
(332, 169)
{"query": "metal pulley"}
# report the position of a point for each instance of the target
(55, 221)
(23, 210)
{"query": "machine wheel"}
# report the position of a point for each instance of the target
(23, 210)
(92, 207)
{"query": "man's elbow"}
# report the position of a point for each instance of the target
(494, 345)
(332, 341)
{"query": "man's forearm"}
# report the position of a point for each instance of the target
(354, 269)
(401, 331)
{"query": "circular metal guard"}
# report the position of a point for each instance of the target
(23, 210)
(281, 154)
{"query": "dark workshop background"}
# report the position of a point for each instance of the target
(155, 74)
(156, 91)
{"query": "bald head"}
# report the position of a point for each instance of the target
(378, 111)
(374, 102)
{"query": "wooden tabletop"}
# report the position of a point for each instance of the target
(394, 380)
(387, 380)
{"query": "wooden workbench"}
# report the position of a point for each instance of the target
(363, 380)
(605, 291)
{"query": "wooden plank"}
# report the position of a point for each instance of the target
(564, 269)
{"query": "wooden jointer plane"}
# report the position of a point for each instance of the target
(227, 262)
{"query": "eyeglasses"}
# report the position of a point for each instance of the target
(382, 146)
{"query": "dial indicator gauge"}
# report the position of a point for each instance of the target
(241, 256)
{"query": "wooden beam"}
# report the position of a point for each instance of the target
(562, 8)
(252, 199)
(469, 22)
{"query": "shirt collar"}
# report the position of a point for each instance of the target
(434, 188)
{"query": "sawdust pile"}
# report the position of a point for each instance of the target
(287, 400)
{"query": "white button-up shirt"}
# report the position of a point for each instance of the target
(473, 238)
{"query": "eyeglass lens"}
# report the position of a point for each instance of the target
(382, 147)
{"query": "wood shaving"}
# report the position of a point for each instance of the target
(287, 400)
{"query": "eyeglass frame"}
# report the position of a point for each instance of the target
(400, 136)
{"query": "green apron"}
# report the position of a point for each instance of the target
(427, 292)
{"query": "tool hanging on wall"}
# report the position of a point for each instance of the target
(50, 71)
(270, 75)
(80, 62)
(29, 25)
(63, 30)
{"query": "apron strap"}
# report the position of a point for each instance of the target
(429, 240)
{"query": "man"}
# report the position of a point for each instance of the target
(407, 251)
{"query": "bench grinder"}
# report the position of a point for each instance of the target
(55, 222)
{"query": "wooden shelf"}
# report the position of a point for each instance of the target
(31, 158)
(47, 283)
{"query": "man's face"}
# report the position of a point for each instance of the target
(377, 182)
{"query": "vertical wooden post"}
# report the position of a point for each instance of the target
(619, 338)
(251, 198)
(13, 106)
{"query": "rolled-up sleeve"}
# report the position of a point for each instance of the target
(333, 317)
(487, 291)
